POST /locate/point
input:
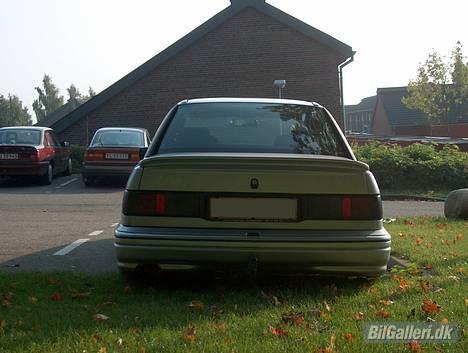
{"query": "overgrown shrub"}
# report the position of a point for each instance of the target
(417, 167)
(77, 154)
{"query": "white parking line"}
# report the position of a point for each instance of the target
(70, 247)
(66, 183)
(95, 233)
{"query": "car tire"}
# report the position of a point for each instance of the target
(69, 168)
(89, 181)
(47, 178)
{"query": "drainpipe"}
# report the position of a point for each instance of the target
(340, 74)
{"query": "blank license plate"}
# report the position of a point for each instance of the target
(116, 155)
(262, 209)
(8, 155)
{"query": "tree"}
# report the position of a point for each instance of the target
(91, 92)
(48, 100)
(439, 88)
(12, 112)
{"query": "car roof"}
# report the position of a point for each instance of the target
(249, 100)
(122, 128)
(39, 128)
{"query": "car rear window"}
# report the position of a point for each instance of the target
(124, 138)
(252, 128)
(20, 137)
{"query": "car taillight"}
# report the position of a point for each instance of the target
(168, 204)
(94, 156)
(135, 156)
(349, 207)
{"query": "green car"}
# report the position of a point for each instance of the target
(263, 184)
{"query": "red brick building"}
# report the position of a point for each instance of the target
(392, 118)
(237, 53)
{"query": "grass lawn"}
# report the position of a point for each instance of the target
(102, 314)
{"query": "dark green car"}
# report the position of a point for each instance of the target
(265, 183)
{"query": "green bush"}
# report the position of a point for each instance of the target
(77, 154)
(416, 167)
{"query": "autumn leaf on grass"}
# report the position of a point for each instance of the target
(292, 318)
(7, 299)
(103, 350)
(270, 298)
(276, 331)
(51, 281)
(33, 300)
(415, 347)
(56, 297)
(383, 314)
(196, 305)
(359, 316)
(217, 326)
(80, 295)
(386, 302)
(444, 321)
(408, 222)
(429, 287)
(189, 335)
(101, 317)
(331, 346)
(348, 337)
(216, 311)
(403, 284)
(327, 306)
(419, 241)
(430, 307)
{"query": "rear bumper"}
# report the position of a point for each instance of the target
(23, 169)
(118, 170)
(337, 252)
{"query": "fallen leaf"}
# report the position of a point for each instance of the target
(386, 302)
(216, 311)
(196, 305)
(56, 297)
(51, 281)
(331, 346)
(293, 318)
(415, 347)
(444, 321)
(327, 306)
(383, 314)
(33, 300)
(189, 335)
(419, 241)
(218, 327)
(348, 337)
(428, 266)
(101, 317)
(103, 350)
(80, 295)
(120, 341)
(359, 315)
(441, 226)
(278, 331)
(430, 307)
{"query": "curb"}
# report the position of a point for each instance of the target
(411, 198)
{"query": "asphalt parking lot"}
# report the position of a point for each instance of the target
(69, 227)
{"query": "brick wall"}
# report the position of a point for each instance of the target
(241, 58)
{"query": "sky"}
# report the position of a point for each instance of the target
(96, 42)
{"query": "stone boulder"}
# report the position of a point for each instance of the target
(456, 205)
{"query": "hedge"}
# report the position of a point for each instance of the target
(77, 155)
(416, 167)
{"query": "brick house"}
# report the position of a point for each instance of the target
(392, 118)
(237, 53)
(358, 117)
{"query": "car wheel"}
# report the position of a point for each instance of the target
(47, 178)
(69, 169)
(89, 181)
